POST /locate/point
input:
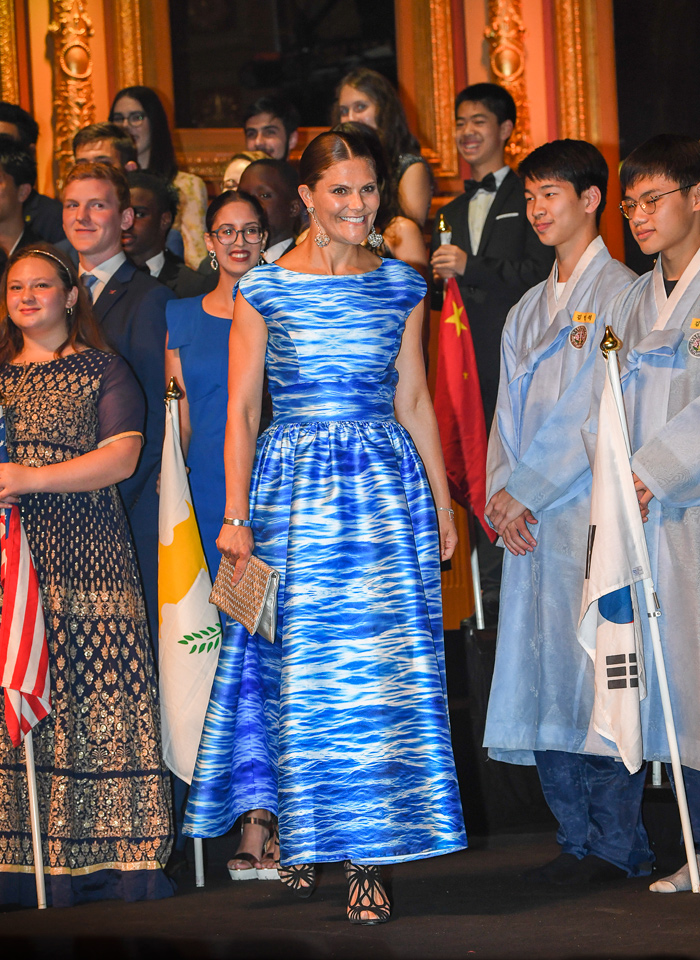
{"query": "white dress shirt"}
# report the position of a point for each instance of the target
(156, 264)
(479, 207)
(276, 250)
(104, 272)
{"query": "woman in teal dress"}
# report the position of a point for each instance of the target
(197, 356)
(346, 496)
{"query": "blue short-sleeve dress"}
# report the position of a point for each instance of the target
(341, 725)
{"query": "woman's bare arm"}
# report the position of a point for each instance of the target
(247, 345)
(414, 410)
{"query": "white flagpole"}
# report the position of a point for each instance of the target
(476, 576)
(198, 862)
(610, 345)
(34, 820)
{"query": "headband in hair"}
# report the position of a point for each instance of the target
(45, 253)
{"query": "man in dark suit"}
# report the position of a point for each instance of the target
(17, 175)
(130, 307)
(154, 202)
(274, 183)
(494, 255)
(42, 215)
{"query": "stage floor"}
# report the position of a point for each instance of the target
(471, 904)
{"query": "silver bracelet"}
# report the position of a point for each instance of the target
(450, 511)
(237, 523)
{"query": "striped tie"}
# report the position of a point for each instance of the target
(88, 280)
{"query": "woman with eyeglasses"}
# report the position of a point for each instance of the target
(197, 356)
(139, 110)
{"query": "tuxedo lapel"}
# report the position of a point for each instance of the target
(503, 194)
(113, 291)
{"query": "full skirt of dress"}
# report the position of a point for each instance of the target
(341, 725)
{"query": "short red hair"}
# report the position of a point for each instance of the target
(91, 170)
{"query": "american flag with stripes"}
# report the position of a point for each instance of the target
(24, 655)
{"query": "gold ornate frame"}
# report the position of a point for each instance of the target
(9, 61)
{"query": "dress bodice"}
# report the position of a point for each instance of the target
(333, 340)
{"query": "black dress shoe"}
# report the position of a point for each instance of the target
(568, 870)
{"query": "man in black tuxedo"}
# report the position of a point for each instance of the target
(494, 255)
(154, 202)
(130, 307)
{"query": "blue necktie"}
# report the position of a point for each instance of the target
(88, 280)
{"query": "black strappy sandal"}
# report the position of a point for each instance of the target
(300, 878)
(366, 894)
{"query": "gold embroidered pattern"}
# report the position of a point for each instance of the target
(103, 790)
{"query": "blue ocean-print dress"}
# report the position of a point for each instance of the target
(341, 725)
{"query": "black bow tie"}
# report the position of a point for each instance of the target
(488, 184)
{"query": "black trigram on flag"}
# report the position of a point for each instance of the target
(619, 672)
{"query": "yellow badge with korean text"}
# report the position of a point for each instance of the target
(695, 323)
(583, 317)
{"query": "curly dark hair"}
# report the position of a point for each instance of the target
(82, 326)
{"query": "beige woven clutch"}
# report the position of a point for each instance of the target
(253, 601)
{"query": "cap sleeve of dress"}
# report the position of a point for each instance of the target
(121, 408)
(410, 286)
(181, 317)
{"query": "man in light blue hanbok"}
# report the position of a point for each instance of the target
(538, 493)
(658, 319)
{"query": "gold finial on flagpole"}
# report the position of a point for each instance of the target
(173, 392)
(610, 342)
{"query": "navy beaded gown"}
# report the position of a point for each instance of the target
(104, 793)
(341, 725)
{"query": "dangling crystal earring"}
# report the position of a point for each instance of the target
(69, 313)
(213, 261)
(321, 239)
(374, 239)
(261, 259)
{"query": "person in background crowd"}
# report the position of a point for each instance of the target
(17, 176)
(74, 417)
(130, 309)
(106, 143)
(236, 166)
(274, 183)
(154, 202)
(44, 215)
(270, 125)
(197, 356)
(366, 96)
(495, 256)
(139, 110)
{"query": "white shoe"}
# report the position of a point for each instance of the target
(678, 882)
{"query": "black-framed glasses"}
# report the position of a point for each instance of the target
(648, 205)
(134, 119)
(227, 233)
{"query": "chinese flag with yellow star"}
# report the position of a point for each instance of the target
(459, 409)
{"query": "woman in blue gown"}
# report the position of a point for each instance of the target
(197, 356)
(341, 725)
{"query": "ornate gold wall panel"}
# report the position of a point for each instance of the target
(129, 43)
(443, 85)
(570, 69)
(9, 68)
(505, 33)
(73, 102)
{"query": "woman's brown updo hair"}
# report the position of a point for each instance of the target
(82, 327)
(330, 148)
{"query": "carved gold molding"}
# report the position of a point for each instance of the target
(73, 101)
(129, 43)
(505, 34)
(9, 68)
(575, 26)
(443, 85)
